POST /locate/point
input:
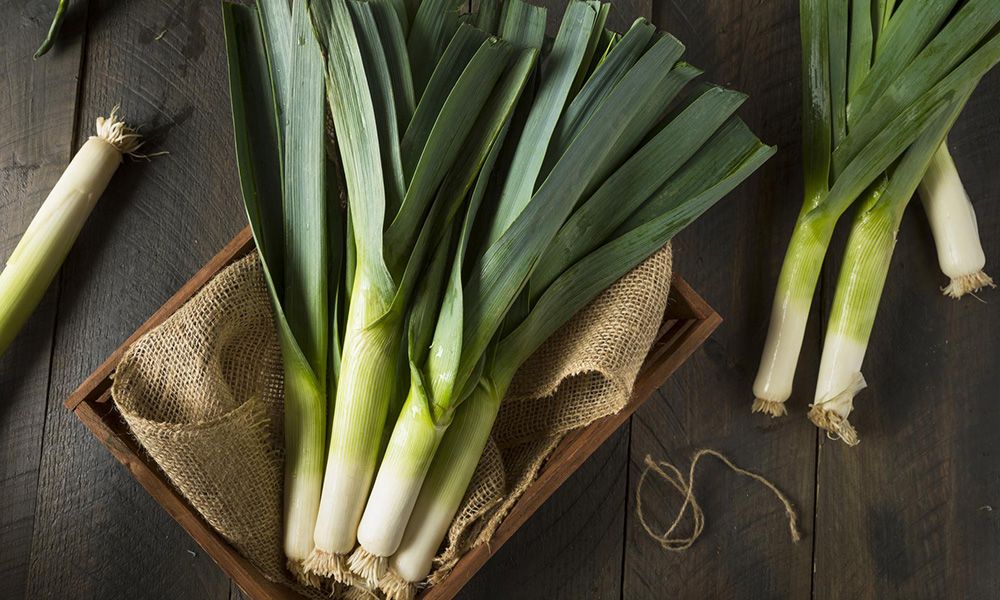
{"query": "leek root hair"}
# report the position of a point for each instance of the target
(967, 284)
(329, 564)
(114, 131)
(769, 407)
(397, 588)
(836, 426)
(303, 576)
(368, 566)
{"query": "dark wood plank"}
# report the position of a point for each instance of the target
(625, 12)
(913, 511)
(97, 531)
(572, 547)
(733, 255)
(37, 104)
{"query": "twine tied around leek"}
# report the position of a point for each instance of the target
(672, 475)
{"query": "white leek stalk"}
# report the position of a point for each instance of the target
(953, 223)
(859, 288)
(790, 313)
(443, 490)
(415, 439)
(48, 239)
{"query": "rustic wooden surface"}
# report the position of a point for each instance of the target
(914, 512)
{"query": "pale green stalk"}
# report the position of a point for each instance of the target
(50, 235)
(863, 275)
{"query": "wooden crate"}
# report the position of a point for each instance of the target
(688, 322)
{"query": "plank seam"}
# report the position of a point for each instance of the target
(58, 284)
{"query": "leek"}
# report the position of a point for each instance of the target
(953, 223)
(50, 235)
(858, 122)
(862, 278)
(436, 173)
(276, 88)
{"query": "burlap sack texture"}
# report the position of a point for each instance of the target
(202, 394)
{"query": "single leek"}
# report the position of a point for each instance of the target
(50, 235)
(277, 95)
(953, 223)
(862, 279)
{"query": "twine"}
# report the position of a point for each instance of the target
(686, 488)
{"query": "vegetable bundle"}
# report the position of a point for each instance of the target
(884, 82)
(494, 186)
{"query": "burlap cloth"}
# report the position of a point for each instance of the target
(202, 394)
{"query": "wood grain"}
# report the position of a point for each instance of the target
(733, 253)
(37, 109)
(97, 532)
(572, 547)
(913, 510)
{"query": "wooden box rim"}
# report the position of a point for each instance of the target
(688, 322)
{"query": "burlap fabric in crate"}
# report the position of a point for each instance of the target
(202, 394)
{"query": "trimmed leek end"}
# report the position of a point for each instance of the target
(415, 439)
(115, 132)
(42, 249)
(967, 284)
(836, 426)
(831, 414)
(328, 564)
(299, 573)
(769, 408)
(396, 588)
(953, 223)
(369, 567)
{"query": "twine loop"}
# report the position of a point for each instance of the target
(672, 475)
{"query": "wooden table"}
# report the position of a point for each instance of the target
(914, 512)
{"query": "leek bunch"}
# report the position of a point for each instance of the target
(495, 185)
(884, 82)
